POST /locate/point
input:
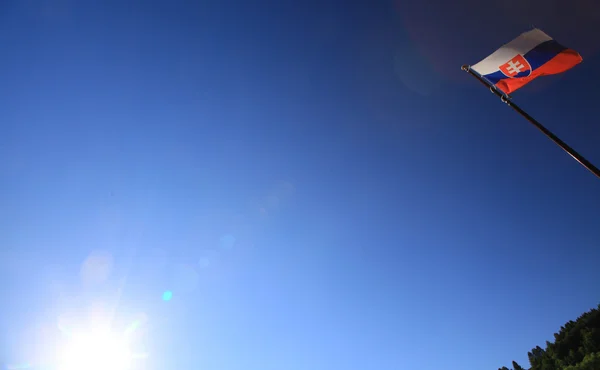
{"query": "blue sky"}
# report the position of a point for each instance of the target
(317, 183)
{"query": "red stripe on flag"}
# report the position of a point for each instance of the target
(562, 62)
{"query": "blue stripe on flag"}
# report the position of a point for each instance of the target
(536, 57)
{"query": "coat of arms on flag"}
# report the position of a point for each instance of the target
(516, 67)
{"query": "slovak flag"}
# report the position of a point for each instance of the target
(531, 55)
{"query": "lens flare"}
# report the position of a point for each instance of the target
(167, 295)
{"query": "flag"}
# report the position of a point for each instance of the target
(531, 55)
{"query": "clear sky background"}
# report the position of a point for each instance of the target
(316, 182)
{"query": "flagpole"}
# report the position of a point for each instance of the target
(506, 99)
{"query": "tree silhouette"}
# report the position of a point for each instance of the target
(576, 347)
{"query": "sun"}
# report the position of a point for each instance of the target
(95, 350)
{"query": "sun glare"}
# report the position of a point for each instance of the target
(96, 350)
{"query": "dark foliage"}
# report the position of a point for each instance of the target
(576, 347)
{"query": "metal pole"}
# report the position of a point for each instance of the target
(572, 152)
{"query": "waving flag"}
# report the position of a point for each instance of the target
(525, 58)
(519, 62)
